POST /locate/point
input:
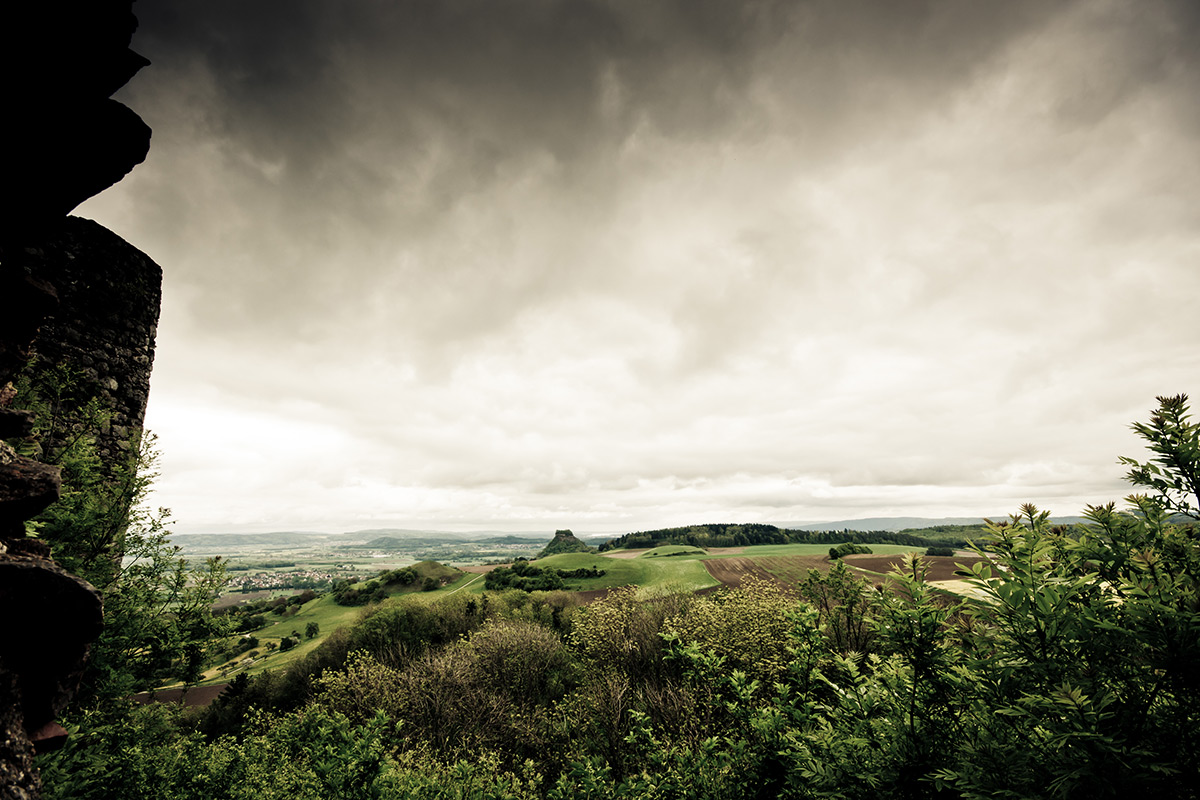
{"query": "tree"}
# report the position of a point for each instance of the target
(311, 630)
(158, 621)
(847, 549)
(844, 604)
(1173, 473)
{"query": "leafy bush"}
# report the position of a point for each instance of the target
(747, 626)
(847, 549)
(524, 576)
(158, 619)
(345, 594)
(621, 634)
(250, 623)
(524, 661)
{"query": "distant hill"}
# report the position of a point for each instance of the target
(378, 538)
(564, 542)
(726, 535)
(199, 541)
(409, 534)
(391, 543)
(905, 523)
(432, 540)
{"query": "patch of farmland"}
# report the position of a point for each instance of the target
(734, 571)
(790, 570)
(625, 553)
(237, 598)
(939, 568)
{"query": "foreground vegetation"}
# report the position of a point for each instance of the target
(1076, 675)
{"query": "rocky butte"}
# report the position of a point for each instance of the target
(565, 542)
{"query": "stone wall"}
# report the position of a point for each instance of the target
(64, 140)
(105, 323)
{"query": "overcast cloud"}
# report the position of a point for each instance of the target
(618, 264)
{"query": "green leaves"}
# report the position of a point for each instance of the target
(1174, 471)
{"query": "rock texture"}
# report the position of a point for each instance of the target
(64, 139)
(103, 328)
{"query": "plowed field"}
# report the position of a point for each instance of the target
(940, 568)
(788, 571)
(734, 571)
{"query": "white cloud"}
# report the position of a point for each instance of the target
(825, 283)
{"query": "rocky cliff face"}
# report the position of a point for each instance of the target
(64, 139)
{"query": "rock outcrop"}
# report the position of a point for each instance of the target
(565, 542)
(64, 139)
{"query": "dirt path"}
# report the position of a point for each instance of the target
(465, 585)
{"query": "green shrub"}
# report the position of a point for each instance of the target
(523, 661)
(847, 549)
(747, 626)
(620, 633)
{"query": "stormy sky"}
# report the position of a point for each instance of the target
(612, 265)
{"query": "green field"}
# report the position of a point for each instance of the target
(673, 550)
(682, 574)
(324, 611)
(666, 569)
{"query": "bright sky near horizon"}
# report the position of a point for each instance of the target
(613, 265)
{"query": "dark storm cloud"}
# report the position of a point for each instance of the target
(493, 259)
(296, 77)
(352, 137)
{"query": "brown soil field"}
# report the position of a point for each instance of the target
(592, 595)
(793, 569)
(196, 696)
(624, 553)
(788, 571)
(479, 569)
(940, 568)
(733, 572)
